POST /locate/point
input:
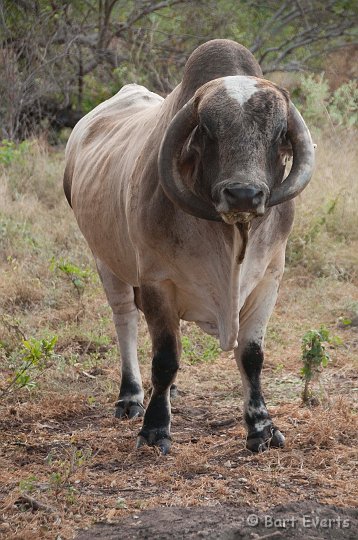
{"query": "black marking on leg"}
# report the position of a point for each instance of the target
(165, 363)
(252, 362)
(157, 415)
(261, 432)
(156, 425)
(129, 387)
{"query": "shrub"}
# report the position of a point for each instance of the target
(322, 108)
(314, 357)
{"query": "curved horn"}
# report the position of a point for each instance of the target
(169, 154)
(303, 160)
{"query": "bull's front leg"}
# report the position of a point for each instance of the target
(120, 296)
(163, 322)
(261, 431)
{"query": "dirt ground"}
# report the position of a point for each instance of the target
(294, 520)
(68, 465)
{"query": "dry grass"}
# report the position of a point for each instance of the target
(60, 444)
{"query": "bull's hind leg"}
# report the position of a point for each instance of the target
(254, 316)
(120, 297)
(163, 322)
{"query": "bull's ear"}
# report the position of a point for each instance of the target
(285, 150)
(192, 143)
(190, 158)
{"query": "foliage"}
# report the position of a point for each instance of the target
(64, 470)
(61, 472)
(322, 108)
(343, 107)
(78, 276)
(9, 151)
(299, 244)
(315, 93)
(59, 59)
(314, 357)
(34, 356)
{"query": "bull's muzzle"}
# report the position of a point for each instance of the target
(244, 199)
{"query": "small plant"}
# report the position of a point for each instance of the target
(28, 485)
(34, 355)
(314, 358)
(71, 495)
(350, 319)
(59, 479)
(78, 276)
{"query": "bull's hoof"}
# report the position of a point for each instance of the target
(270, 437)
(155, 437)
(128, 409)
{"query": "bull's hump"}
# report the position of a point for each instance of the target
(240, 88)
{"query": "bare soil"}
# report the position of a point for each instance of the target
(294, 520)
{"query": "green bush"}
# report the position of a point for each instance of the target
(34, 356)
(322, 108)
(343, 107)
(9, 151)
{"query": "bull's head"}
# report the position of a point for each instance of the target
(223, 155)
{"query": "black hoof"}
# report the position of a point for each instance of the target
(278, 439)
(155, 437)
(128, 409)
(270, 437)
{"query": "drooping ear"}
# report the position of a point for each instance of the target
(285, 150)
(190, 158)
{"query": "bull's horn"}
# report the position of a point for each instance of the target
(169, 155)
(303, 160)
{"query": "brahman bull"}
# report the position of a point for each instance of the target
(184, 204)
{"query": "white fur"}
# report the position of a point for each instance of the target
(253, 411)
(259, 426)
(240, 87)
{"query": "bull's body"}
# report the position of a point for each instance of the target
(153, 255)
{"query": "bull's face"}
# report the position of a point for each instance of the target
(223, 156)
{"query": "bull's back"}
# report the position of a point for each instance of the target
(100, 157)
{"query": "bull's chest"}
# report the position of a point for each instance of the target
(210, 285)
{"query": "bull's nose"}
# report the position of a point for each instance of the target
(245, 199)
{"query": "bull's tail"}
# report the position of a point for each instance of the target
(67, 184)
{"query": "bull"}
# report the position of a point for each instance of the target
(185, 205)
